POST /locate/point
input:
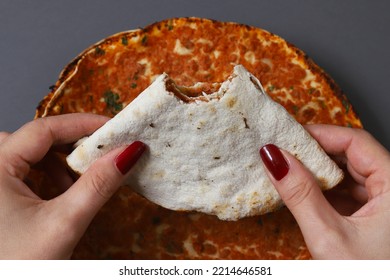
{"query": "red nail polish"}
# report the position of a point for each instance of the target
(126, 159)
(274, 161)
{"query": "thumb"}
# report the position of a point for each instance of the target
(300, 192)
(102, 179)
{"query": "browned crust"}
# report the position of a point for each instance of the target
(337, 91)
(50, 100)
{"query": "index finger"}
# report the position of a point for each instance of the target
(30, 143)
(365, 155)
(353, 142)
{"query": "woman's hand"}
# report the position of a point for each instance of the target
(32, 228)
(365, 234)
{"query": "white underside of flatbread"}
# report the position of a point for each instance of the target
(204, 156)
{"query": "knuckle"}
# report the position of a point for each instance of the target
(15, 166)
(296, 194)
(44, 123)
(361, 132)
(101, 184)
(35, 124)
(40, 129)
(364, 135)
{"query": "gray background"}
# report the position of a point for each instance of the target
(349, 39)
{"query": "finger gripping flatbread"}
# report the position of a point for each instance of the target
(203, 150)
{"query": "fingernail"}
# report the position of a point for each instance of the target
(274, 161)
(126, 159)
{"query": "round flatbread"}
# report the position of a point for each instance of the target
(110, 74)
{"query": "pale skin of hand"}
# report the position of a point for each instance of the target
(32, 228)
(365, 232)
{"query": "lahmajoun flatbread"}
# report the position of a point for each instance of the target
(203, 148)
(110, 74)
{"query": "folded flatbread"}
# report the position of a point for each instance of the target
(203, 148)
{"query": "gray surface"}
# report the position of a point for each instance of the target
(349, 39)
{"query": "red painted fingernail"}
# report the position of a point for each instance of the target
(274, 161)
(126, 159)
